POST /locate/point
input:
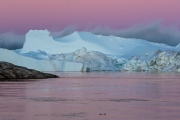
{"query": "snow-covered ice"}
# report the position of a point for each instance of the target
(41, 65)
(124, 47)
(92, 59)
(156, 61)
(84, 51)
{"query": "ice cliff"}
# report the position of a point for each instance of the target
(40, 65)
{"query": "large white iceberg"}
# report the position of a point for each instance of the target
(45, 53)
(124, 47)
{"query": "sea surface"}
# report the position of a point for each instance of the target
(93, 96)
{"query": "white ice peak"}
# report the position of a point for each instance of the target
(45, 32)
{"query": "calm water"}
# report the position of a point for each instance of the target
(93, 96)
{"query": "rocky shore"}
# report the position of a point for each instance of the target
(10, 71)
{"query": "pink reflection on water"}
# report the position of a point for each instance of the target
(93, 96)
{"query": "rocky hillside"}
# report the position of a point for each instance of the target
(10, 71)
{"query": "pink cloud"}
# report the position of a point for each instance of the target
(22, 15)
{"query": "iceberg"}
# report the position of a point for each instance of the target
(40, 65)
(112, 45)
(93, 60)
(156, 61)
(84, 51)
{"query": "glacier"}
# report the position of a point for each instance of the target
(84, 51)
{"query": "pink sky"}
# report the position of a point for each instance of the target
(22, 15)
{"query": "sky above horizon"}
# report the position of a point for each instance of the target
(152, 20)
(22, 15)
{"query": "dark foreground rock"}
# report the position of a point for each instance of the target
(10, 71)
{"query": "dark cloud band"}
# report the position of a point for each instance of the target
(11, 40)
(153, 32)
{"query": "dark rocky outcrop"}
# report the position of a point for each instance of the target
(10, 71)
